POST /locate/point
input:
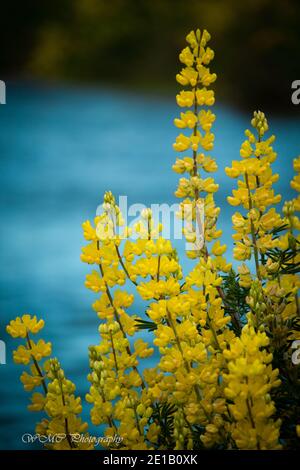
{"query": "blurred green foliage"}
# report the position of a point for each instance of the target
(136, 42)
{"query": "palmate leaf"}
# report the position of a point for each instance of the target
(286, 259)
(295, 269)
(234, 300)
(295, 324)
(287, 403)
(279, 229)
(146, 325)
(163, 415)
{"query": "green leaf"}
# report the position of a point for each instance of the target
(146, 325)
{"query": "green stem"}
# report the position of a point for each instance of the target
(109, 418)
(114, 351)
(253, 235)
(186, 364)
(117, 318)
(251, 419)
(213, 331)
(37, 365)
(137, 421)
(68, 436)
(158, 268)
(124, 267)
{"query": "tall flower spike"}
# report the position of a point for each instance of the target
(290, 242)
(195, 190)
(249, 381)
(255, 195)
(57, 399)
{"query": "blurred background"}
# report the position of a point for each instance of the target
(135, 43)
(90, 104)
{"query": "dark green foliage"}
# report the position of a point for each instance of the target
(146, 325)
(285, 259)
(287, 399)
(234, 301)
(163, 415)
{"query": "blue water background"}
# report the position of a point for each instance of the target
(60, 149)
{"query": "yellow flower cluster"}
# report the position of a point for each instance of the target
(57, 400)
(62, 408)
(20, 327)
(114, 386)
(117, 391)
(196, 190)
(272, 241)
(248, 384)
(290, 283)
(31, 352)
(255, 194)
(259, 231)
